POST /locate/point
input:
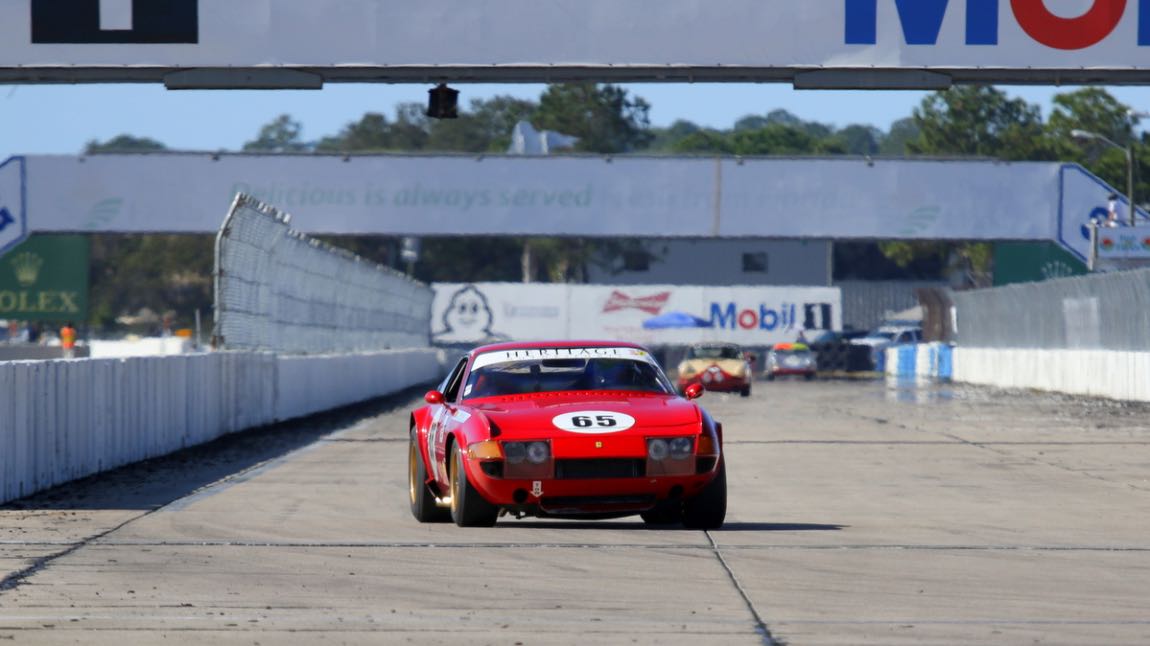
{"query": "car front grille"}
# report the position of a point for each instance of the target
(599, 469)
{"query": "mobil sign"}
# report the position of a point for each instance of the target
(669, 314)
(1067, 25)
(761, 316)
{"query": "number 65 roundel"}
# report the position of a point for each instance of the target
(593, 421)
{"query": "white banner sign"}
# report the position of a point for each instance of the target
(1124, 243)
(1086, 198)
(577, 196)
(542, 41)
(651, 314)
(13, 228)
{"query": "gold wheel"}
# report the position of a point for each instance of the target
(412, 456)
(455, 488)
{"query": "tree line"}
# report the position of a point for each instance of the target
(166, 272)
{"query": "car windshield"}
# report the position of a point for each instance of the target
(883, 335)
(714, 352)
(553, 375)
(792, 353)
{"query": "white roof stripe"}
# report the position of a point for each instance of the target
(528, 354)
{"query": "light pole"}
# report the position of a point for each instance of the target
(1129, 150)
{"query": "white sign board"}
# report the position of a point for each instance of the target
(1124, 243)
(576, 196)
(389, 40)
(1086, 198)
(650, 314)
(13, 228)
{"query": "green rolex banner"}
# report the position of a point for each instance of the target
(45, 278)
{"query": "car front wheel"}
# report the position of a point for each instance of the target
(468, 507)
(708, 508)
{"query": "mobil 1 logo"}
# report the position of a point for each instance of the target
(115, 21)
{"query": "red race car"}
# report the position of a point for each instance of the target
(564, 430)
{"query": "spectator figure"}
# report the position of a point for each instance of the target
(802, 338)
(1112, 210)
(68, 340)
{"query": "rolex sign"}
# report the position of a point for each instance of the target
(45, 279)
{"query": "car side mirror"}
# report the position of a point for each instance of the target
(433, 397)
(694, 391)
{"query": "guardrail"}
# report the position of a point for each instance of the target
(63, 420)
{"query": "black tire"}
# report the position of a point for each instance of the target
(745, 392)
(770, 376)
(668, 513)
(810, 376)
(708, 509)
(468, 507)
(423, 505)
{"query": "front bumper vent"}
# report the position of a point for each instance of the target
(598, 469)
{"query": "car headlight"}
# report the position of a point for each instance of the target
(658, 449)
(528, 460)
(538, 452)
(514, 452)
(533, 452)
(676, 448)
(680, 448)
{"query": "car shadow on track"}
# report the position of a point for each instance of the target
(641, 526)
(154, 483)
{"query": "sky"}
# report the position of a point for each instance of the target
(61, 119)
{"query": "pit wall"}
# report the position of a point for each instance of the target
(63, 420)
(1094, 373)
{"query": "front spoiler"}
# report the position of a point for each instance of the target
(588, 498)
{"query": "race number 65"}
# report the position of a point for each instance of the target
(593, 421)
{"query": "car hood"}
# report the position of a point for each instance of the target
(729, 366)
(521, 415)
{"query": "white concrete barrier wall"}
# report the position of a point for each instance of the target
(1098, 373)
(63, 420)
(309, 384)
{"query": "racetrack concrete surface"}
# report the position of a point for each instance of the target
(860, 513)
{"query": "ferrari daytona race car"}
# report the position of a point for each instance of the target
(584, 430)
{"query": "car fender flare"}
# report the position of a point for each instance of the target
(420, 419)
(713, 428)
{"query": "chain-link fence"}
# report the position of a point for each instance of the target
(1101, 311)
(866, 303)
(279, 290)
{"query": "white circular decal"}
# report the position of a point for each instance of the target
(593, 421)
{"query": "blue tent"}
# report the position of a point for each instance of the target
(673, 320)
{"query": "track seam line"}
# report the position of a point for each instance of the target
(761, 625)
